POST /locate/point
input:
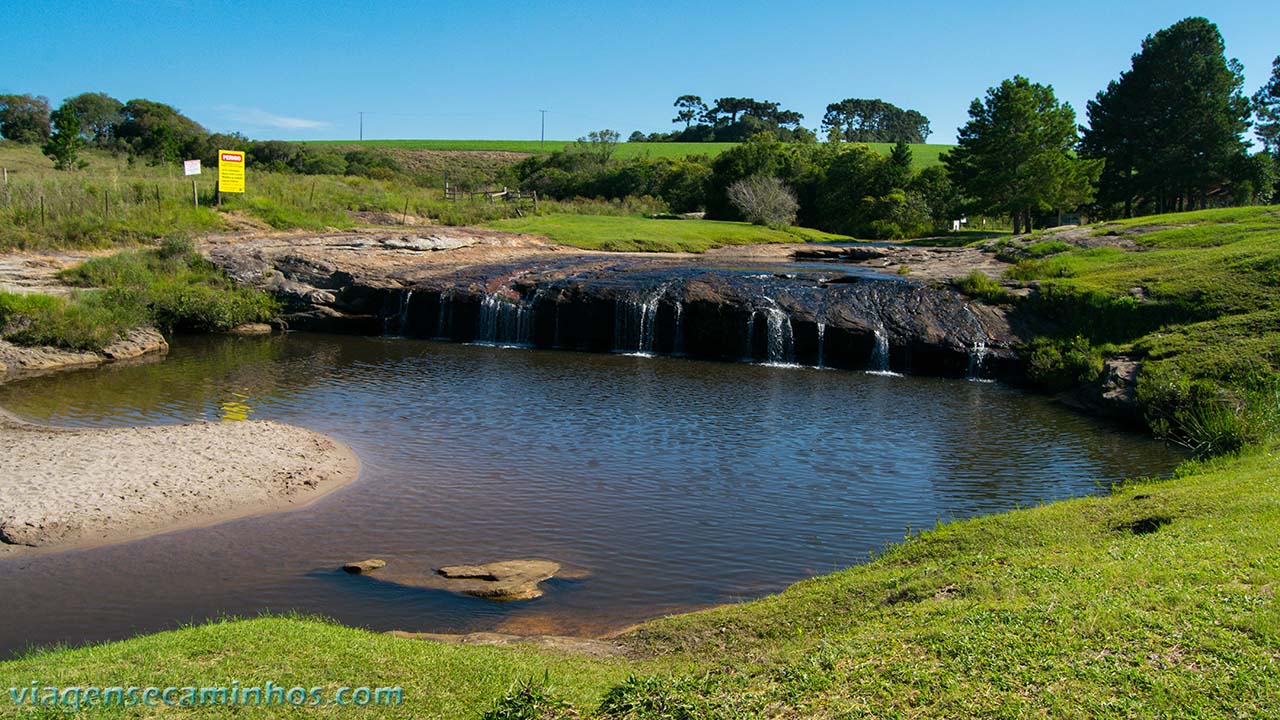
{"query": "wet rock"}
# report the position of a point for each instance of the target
(364, 567)
(564, 643)
(136, 343)
(251, 329)
(502, 581)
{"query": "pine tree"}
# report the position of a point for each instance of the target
(1266, 105)
(63, 146)
(1171, 127)
(1015, 156)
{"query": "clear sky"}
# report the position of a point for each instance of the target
(482, 70)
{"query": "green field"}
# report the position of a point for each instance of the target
(641, 234)
(923, 155)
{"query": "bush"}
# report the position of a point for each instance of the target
(1056, 364)
(764, 200)
(978, 285)
(1205, 416)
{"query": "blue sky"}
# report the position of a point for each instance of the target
(303, 70)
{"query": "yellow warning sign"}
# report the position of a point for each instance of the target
(230, 171)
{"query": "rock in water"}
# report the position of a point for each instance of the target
(505, 580)
(364, 567)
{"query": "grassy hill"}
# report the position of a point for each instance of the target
(922, 155)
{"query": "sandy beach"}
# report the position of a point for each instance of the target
(62, 488)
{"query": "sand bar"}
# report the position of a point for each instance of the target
(62, 488)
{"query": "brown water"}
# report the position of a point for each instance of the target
(677, 483)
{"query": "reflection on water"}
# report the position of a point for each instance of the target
(677, 483)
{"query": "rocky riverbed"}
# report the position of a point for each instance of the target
(839, 306)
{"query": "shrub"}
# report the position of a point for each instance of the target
(764, 200)
(978, 285)
(1205, 416)
(1056, 364)
(527, 700)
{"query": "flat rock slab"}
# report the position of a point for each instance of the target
(364, 567)
(564, 643)
(505, 580)
(19, 361)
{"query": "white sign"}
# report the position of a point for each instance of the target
(190, 167)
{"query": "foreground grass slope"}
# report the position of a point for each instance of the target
(1156, 601)
(641, 234)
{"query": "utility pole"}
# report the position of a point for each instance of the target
(362, 127)
(543, 141)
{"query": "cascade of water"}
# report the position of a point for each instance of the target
(822, 331)
(677, 342)
(503, 321)
(781, 346)
(404, 310)
(977, 361)
(634, 322)
(880, 353)
(442, 317)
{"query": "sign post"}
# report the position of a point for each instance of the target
(230, 172)
(192, 168)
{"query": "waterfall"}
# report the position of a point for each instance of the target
(504, 322)
(677, 340)
(633, 324)
(781, 346)
(977, 361)
(404, 310)
(442, 317)
(880, 354)
(749, 356)
(822, 331)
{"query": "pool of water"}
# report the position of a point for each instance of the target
(676, 483)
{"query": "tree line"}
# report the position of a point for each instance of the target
(734, 119)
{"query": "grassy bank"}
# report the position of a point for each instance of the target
(171, 287)
(1194, 296)
(1157, 601)
(642, 234)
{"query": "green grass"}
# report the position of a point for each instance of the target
(1157, 601)
(171, 287)
(1197, 298)
(437, 680)
(922, 155)
(640, 234)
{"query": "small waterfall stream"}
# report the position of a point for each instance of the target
(977, 362)
(404, 310)
(504, 321)
(822, 332)
(677, 340)
(781, 346)
(634, 322)
(880, 353)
